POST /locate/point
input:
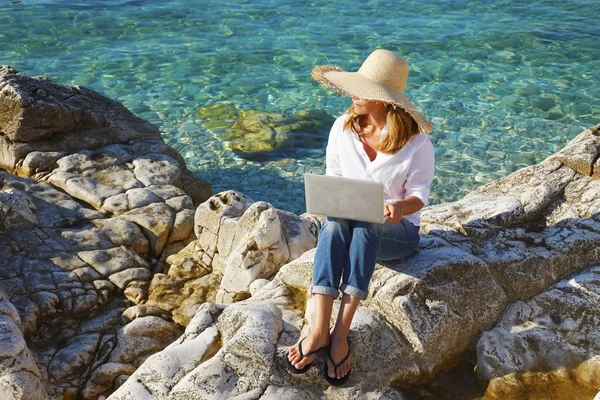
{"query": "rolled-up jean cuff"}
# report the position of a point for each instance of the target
(353, 291)
(324, 290)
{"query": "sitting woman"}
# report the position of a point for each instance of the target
(381, 137)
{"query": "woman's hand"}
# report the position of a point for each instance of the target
(393, 211)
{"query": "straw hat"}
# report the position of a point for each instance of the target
(382, 77)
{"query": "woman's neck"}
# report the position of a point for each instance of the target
(378, 119)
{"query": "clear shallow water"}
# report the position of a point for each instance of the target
(506, 83)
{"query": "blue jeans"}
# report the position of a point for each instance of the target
(348, 250)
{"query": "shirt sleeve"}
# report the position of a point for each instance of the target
(332, 156)
(420, 172)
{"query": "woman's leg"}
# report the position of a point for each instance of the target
(339, 336)
(369, 243)
(331, 256)
(319, 334)
(329, 262)
(397, 240)
(362, 255)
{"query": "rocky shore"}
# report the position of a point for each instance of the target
(122, 276)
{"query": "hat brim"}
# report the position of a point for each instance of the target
(354, 84)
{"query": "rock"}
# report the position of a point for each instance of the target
(156, 221)
(16, 212)
(553, 336)
(103, 378)
(519, 199)
(183, 226)
(124, 233)
(245, 335)
(582, 152)
(72, 360)
(34, 108)
(251, 131)
(157, 169)
(70, 264)
(142, 337)
(228, 204)
(257, 285)
(198, 189)
(238, 242)
(111, 261)
(20, 378)
(259, 249)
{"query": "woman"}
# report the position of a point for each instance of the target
(381, 137)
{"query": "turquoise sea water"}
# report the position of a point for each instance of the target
(506, 83)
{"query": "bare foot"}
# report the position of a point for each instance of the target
(338, 350)
(313, 341)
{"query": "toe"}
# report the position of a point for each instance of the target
(330, 370)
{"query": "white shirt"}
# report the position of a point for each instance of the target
(407, 172)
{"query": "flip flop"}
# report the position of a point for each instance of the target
(342, 380)
(295, 370)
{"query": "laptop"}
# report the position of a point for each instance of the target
(338, 197)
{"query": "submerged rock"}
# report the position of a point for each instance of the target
(254, 131)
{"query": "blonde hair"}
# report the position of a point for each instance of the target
(401, 127)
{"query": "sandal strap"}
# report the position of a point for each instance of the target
(335, 366)
(300, 348)
(310, 353)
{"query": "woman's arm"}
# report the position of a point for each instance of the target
(417, 185)
(332, 157)
(399, 208)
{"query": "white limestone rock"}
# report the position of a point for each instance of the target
(222, 353)
(581, 152)
(157, 169)
(142, 337)
(228, 204)
(554, 335)
(183, 226)
(124, 233)
(16, 211)
(156, 221)
(259, 249)
(113, 260)
(20, 378)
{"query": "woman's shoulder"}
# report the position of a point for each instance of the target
(420, 139)
(338, 125)
(341, 120)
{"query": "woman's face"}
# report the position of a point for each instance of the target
(363, 107)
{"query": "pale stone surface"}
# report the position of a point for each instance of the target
(39, 107)
(156, 221)
(141, 338)
(157, 169)
(103, 378)
(70, 264)
(20, 378)
(260, 249)
(244, 335)
(238, 242)
(582, 152)
(16, 211)
(554, 334)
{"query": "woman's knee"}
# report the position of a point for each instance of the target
(335, 226)
(367, 232)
